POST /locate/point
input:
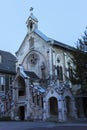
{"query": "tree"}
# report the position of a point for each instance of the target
(79, 75)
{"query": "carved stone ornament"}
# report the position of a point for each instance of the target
(52, 84)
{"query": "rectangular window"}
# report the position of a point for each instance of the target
(2, 87)
(0, 58)
(2, 80)
(10, 80)
(42, 102)
(37, 100)
(2, 83)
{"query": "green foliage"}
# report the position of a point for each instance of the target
(80, 62)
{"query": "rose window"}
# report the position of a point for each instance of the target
(33, 59)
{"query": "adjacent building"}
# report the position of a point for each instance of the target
(7, 73)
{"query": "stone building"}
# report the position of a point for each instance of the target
(7, 74)
(41, 90)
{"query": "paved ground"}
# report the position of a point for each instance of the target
(77, 125)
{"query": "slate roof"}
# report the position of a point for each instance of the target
(33, 17)
(7, 64)
(27, 74)
(43, 36)
(39, 88)
(32, 75)
(65, 46)
(53, 42)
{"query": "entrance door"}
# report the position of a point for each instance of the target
(68, 106)
(21, 112)
(85, 106)
(53, 106)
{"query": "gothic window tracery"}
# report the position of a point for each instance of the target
(33, 58)
(69, 69)
(60, 73)
(58, 59)
(59, 68)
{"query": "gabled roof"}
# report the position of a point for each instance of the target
(43, 36)
(33, 17)
(53, 42)
(8, 61)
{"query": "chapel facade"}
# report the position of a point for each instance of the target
(41, 90)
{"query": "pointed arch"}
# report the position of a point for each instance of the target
(53, 106)
(21, 86)
(60, 73)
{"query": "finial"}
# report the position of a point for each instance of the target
(31, 9)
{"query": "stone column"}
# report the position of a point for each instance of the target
(50, 62)
(60, 111)
(65, 110)
(28, 100)
(73, 109)
(44, 109)
(14, 101)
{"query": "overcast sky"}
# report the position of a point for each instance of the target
(62, 20)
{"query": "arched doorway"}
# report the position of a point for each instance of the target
(68, 106)
(53, 104)
(22, 112)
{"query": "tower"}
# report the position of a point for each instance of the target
(32, 22)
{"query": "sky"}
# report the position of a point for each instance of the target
(62, 20)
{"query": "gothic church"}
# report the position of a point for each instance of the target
(41, 90)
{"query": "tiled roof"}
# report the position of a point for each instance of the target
(8, 61)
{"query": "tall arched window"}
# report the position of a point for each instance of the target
(21, 87)
(70, 71)
(60, 73)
